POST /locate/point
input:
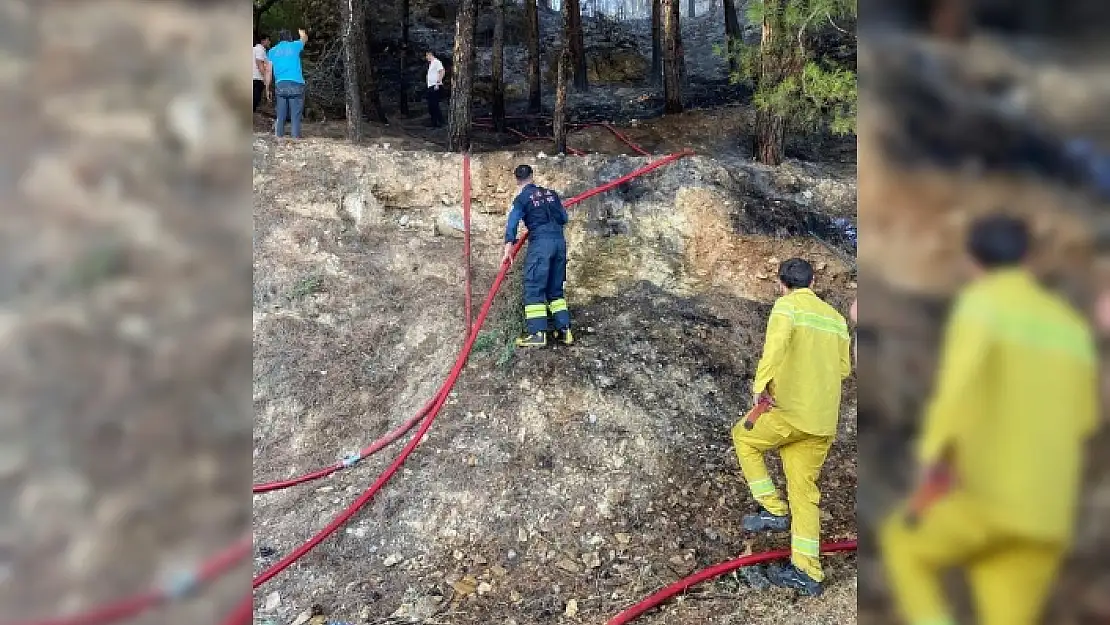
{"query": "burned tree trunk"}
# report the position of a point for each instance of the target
(681, 56)
(371, 97)
(532, 17)
(499, 65)
(769, 138)
(575, 40)
(560, 120)
(732, 34)
(656, 42)
(403, 96)
(351, 69)
(672, 58)
(462, 79)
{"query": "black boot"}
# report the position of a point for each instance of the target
(789, 576)
(764, 521)
(539, 339)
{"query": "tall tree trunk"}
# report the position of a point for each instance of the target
(672, 58)
(560, 121)
(732, 34)
(676, 7)
(371, 97)
(403, 96)
(573, 37)
(770, 137)
(691, 9)
(776, 59)
(351, 51)
(656, 42)
(462, 79)
(499, 65)
(532, 17)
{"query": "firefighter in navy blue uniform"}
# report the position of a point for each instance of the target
(545, 262)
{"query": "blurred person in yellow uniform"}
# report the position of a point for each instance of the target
(1015, 399)
(804, 363)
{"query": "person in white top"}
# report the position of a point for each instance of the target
(261, 70)
(435, 85)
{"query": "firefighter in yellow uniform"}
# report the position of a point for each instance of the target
(805, 360)
(1015, 399)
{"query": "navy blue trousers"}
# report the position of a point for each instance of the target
(545, 270)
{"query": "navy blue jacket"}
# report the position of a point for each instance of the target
(542, 212)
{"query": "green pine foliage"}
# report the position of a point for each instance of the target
(813, 92)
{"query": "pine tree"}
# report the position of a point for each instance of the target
(351, 52)
(656, 42)
(560, 119)
(499, 65)
(403, 92)
(575, 40)
(532, 21)
(462, 78)
(733, 33)
(794, 89)
(673, 63)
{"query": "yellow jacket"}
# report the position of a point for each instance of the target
(1015, 398)
(806, 357)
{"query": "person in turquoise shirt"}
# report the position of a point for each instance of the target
(285, 58)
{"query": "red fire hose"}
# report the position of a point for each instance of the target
(520, 134)
(366, 452)
(399, 431)
(213, 568)
(655, 600)
(441, 397)
(627, 141)
(131, 607)
(616, 133)
(243, 614)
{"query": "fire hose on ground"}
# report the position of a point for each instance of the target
(174, 588)
(441, 397)
(681, 586)
(400, 430)
(241, 615)
(625, 616)
(213, 568)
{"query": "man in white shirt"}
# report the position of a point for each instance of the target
(435, 86)
(261, 70)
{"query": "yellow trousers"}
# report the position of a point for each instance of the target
(802, 457)
(1010, 577)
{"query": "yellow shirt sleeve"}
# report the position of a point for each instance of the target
(779, 328)
(966, 344)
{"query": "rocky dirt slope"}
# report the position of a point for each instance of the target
(557, 486)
